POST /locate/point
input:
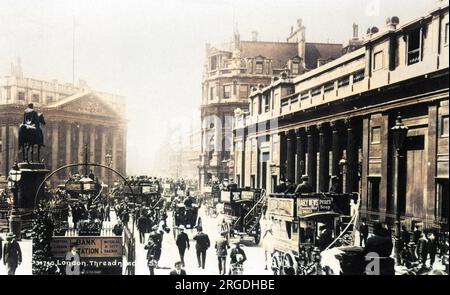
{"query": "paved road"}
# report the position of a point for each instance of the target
(169, 255)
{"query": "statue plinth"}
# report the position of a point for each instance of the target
(32, 175)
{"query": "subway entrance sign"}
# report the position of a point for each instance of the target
(97, 255)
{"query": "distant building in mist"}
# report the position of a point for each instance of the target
(231, 72)
(76, 115)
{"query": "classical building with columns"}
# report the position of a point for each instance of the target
(230, 72)
(76, 116)
(337, 120)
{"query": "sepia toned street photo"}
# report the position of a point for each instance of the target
(224, 137)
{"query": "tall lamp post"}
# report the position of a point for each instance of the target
(109, 163)
(15, 222)
(399, 133)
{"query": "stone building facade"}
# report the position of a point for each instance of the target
(76, 116)
(229, 75)
(337, 120)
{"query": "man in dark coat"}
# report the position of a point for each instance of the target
(304, 187)
(152, 256)
(237, 256)
(363, 233)
(31, 117)
(381, 244)
(182, 243)
(422, 249)
(12, 255)
(178, 271)
(221, 251)
(335, 185)
(282, 187)
(201, 246)
(142, 227)
(432, 248)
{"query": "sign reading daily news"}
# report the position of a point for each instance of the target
(97, 255)
(307, 206)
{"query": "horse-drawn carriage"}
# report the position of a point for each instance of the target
(144, 192)
(186, 213)
(304, 226)
(243, 209)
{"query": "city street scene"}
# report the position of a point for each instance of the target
(224, 137)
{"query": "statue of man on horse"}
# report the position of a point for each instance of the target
(30, 133)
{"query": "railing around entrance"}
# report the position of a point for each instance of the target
(4, 220)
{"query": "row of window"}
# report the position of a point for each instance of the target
(327, 87)
(34, 97)
(227, 91)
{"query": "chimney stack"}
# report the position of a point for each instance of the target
(355, 32)
(254, 36)
(392, 22)
(371, 31)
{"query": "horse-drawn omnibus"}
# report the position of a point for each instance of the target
(185, 212)
(145, 192)
(243, 209)
(304, 225)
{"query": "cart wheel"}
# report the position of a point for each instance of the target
(275, 264)
(289, 264)
(257, 237)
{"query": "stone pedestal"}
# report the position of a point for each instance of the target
(15, 224)
(32, 175)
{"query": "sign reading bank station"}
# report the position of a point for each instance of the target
(88, 246)
(98, 255)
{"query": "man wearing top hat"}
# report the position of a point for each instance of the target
(12, 255)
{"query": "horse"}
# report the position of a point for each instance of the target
(29, 136)
(267, 239)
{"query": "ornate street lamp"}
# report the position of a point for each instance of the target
(15, 222)
(343, 165)
(399, 133)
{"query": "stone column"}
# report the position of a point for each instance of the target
(312, 156)
(336, 147)
(114, 150)
(103, 154)
(300, 151)
(290, 153)
(351, 184)
(68, 144)
(55, 148)
(92, 144)
(80, 144)
(5, 148)
(13, 144)
(324, 158)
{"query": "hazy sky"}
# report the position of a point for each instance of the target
(152, 52)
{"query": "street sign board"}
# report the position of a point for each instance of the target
(282, 207)
(307, 206)
(98, 255)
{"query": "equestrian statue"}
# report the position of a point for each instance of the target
(30, 133)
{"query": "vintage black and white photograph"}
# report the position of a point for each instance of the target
(224, 137)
